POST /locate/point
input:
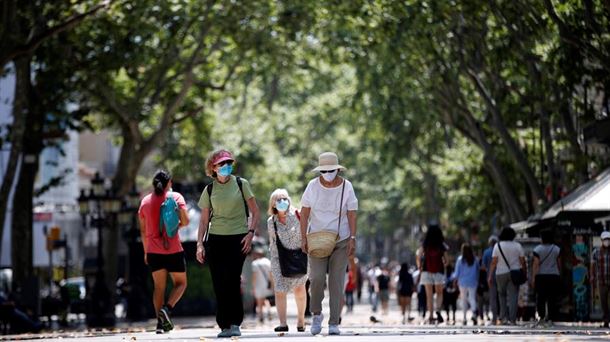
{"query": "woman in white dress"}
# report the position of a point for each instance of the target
(285, 217)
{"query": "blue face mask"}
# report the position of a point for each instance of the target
(282, 205)
(225, 170)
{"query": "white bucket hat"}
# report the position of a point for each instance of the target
(328, 161)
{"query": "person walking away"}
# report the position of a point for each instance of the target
(329, 203)
(383, 281)
(600, 273)
(359, 280)
(283, 223)
(225, 237)
(350, 286)
(450, 295)
(507, 255)
(262, 284)
(432, 265)
(164, 255)
(372, 274)
(466, 276)
(492, 289)
(546, 271)
(405, 291)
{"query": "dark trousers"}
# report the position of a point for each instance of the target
(604, 289)
(349, 300)
(547, 286)
(223, 253)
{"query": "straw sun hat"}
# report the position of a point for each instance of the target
(328, 161)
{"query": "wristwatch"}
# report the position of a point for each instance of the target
(251, 231)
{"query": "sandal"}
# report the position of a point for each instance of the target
(281, 328)
(301, 329)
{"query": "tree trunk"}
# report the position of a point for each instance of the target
(21, 228)
(545, 128)
(493, 166)
(511, 146)
(20, 105)
(580, 159)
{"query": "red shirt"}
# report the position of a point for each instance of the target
(433, 260)
(150, 209)
(351, 282)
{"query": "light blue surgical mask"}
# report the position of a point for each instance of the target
(282, 205)
(225, 170)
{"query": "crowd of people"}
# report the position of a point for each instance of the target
(311, 252)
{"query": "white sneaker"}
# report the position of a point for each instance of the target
(334, 330)
(316, 324)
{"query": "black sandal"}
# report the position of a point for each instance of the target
(281, 328)
(301, 329)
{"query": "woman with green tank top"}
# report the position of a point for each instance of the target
(225, 237)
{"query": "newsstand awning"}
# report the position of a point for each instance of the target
(579, 210)
(593, 195)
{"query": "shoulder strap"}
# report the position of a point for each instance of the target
(209, 188)
(504, 257)
(547, 254)
(239, 183)
(341, 206)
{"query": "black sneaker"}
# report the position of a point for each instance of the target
(439, 318)
(281, 328)
(166, 322)
(159, 329)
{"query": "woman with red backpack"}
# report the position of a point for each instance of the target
(163, 253)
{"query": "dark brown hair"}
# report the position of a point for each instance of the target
(467, 254)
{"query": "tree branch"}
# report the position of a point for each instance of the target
(568, 36)
(190, 114)
(35, 42)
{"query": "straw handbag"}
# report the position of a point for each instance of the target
(321, 244)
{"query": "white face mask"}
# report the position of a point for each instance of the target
(329, 176)
(606, 243)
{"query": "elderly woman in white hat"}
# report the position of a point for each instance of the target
(329, 206)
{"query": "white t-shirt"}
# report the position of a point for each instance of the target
(324, 204)
(512, 251)
(262, 268)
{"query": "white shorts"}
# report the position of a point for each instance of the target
(428, 278)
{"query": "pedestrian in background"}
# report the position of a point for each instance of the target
(225, 237)
(283, 220)
(163, 254)
(329, 203)
(432, 265)
(451, 294)
(359, 280)
(466, 276)
(262, 282)
(507, 255)
(405, 291)
(492, 288)
(350, 287)
(600, 273)
(546, 270)
(372, 274)
(383, 282)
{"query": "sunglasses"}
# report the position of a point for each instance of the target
(327, 171)
(225, 162)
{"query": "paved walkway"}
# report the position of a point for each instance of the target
(356, 326)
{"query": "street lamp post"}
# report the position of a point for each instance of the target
(98, 208)
(136, 298)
